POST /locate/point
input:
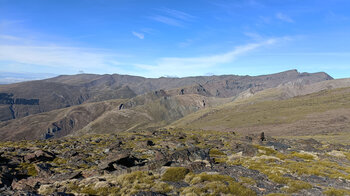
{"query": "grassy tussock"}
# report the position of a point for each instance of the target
(214, 184)
(175, 174)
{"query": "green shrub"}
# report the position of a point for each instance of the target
(215, 184)
(59, 161)
(303, 155)
(247, 180)
(216, 152)
(219, 156)
(336, 192)
(31, 171)
(278, 178)
(297, 185)
(175, 174)
(266, 150)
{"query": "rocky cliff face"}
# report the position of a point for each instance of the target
(10, 104)
(34, 97)
(8, 100)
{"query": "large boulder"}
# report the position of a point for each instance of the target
(67, 176)
(39, 155)
(278, 146)
(190, 155)
(120, 160)
(148, 193)
(43, 170)
(246, 149)
(29, 184)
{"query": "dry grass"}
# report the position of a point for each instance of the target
(261, 113)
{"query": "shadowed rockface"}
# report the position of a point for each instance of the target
(8, 100)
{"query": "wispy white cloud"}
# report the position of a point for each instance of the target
(9, 23)
(9, 37)
(29, 55)
(252, 35)
(194, 65)
(284, 17)
(185, 43)
(13, 77)
(265, 19)
(228, 6)
(138, 35)
(148, 30)
(178, 14)
(167, 20)
(172, 17)
(66, 59)
(335, 17)
(343, 54)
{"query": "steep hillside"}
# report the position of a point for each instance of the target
(26, 98)
(56, 123)
(145, 111)
(153, 114)
(273, 112)
(23, 99)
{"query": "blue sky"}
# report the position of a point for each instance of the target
(157, 38)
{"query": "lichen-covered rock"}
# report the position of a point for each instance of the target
(39, 155)
(29, 184)
(246, 149)
(66, 176)
(278, 146)
(122, 160)
(189, 155)
(148, 193)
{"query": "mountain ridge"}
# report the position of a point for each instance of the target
(156, 108)
(65, 91)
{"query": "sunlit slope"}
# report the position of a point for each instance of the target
(56, 123)
(153, 114)
(324, 111)
(151, 110)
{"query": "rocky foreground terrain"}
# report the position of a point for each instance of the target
(174, 162)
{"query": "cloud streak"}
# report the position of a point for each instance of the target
(9, 77)
(9, 37)
(62, 58)
(172, 17)
(178, 14)
(193, 65)
(167, 20)
(138, 35)
(284, 17)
